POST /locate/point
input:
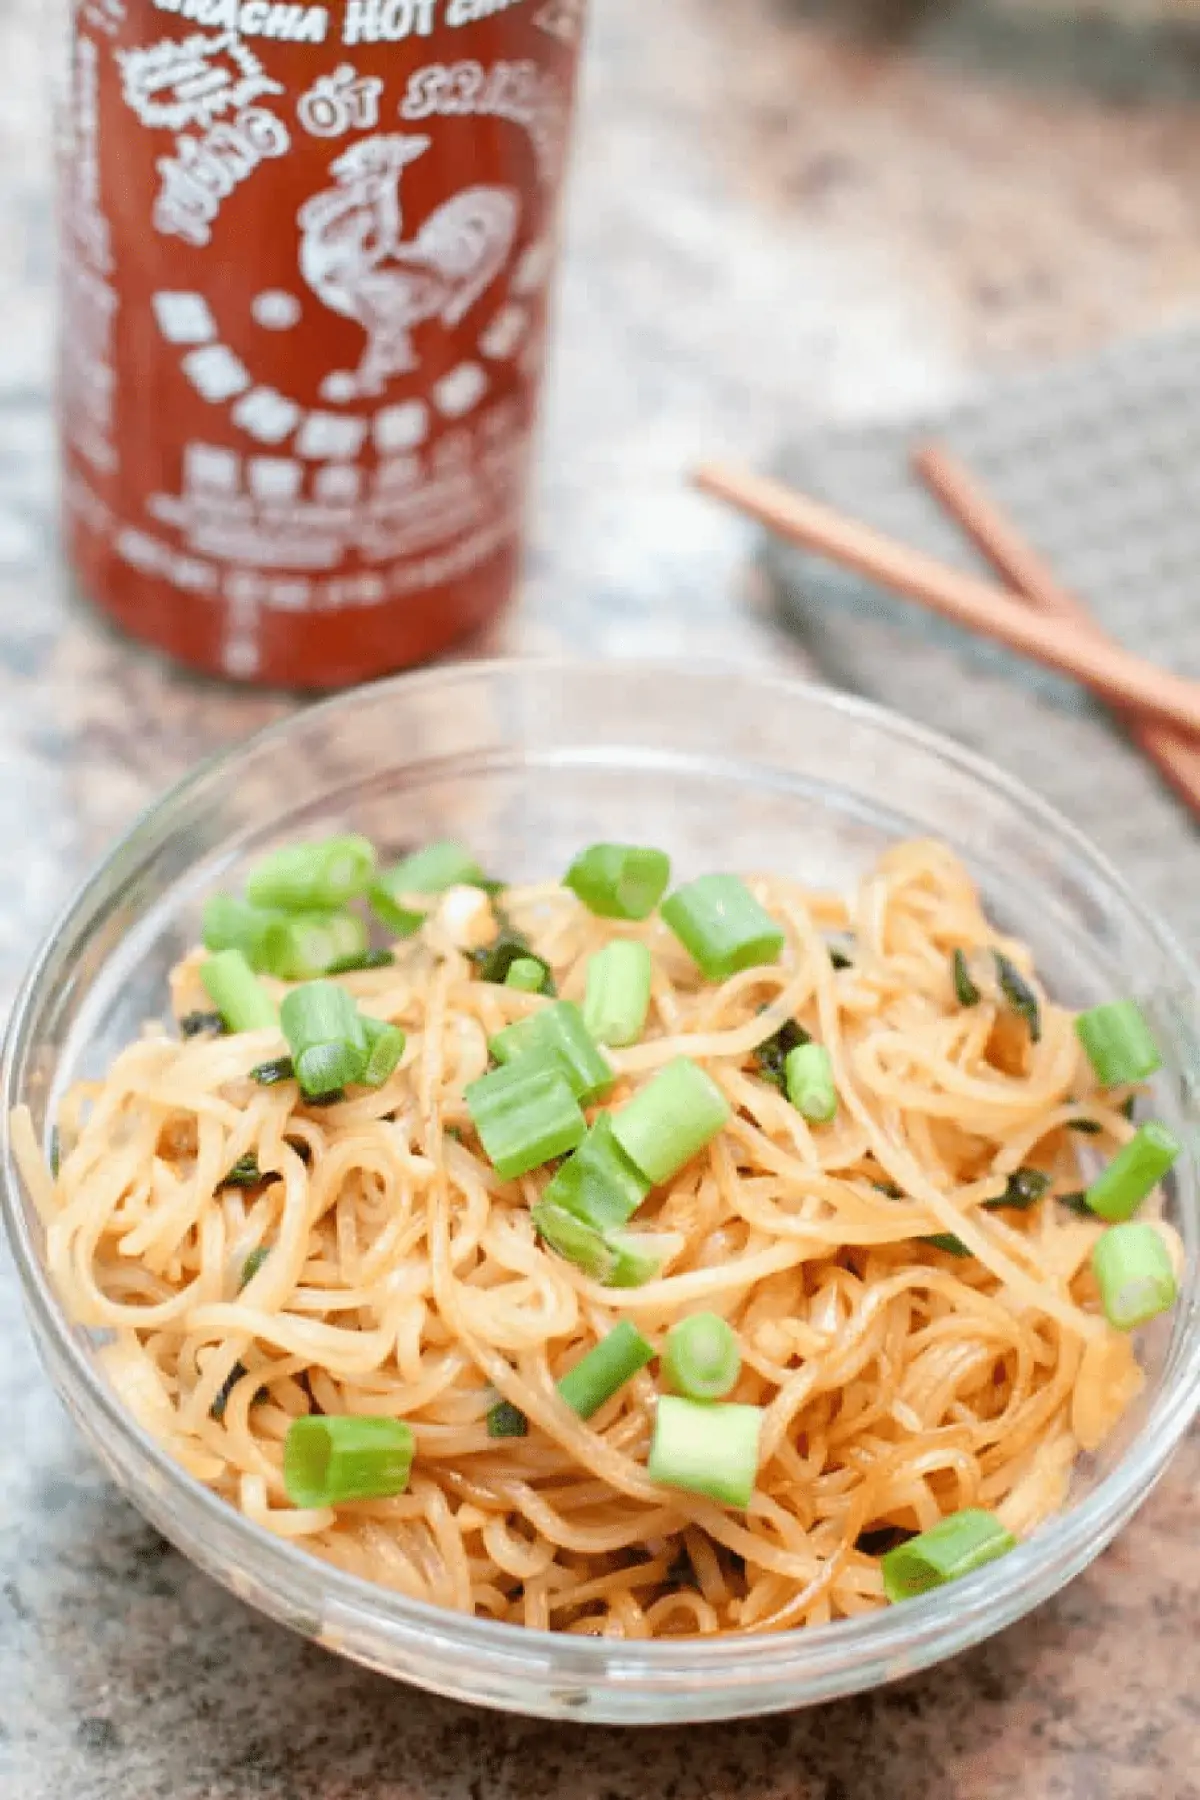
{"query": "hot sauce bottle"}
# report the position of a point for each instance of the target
(306, 256)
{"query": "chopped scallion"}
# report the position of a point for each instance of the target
(706, 1449)
(253, 1264)
(385, 1047)
(328, 1459)
(722, 926)
(1019, 994)
(365, 959)
(1135, 1275)
(494, 960)
(670, 1120)
(772, 1054)
(302, 946)
(598, 1183)
(228, 923)
(526, 974)
(244, 1173)
(201, 1024)
(954, 1547)
(811, 1089)
(560, 1031)
(505, 1420)
(618, 992)
(525, 1113)
(701, 1358)
(428, 871)
(1024, 1188)
(269, 1074)
(313, 877)
(605, 1369)
(949, 1242)
(1118, 1043)
(1134, 1172)
(327, 1037)
(614, 1258)
(619, 881)
(965, 990)
(241, 1000)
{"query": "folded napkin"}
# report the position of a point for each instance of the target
(1098, 464)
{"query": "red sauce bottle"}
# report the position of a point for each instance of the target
(306, 251)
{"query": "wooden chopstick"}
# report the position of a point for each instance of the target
(1176, 756)
(1114, 673)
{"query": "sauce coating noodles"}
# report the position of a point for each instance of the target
(900, 1382)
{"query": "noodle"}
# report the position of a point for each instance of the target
(399, 1275)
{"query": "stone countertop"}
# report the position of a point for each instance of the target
(780, 212)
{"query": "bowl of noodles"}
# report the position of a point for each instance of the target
(615, 1191)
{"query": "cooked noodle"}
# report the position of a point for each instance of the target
(404, 1277)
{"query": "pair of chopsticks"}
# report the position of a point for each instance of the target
(1034, 615)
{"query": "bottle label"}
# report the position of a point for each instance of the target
(306, 254)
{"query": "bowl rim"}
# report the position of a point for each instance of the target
(904, 1638)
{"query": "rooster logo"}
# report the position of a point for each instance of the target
(353, 256)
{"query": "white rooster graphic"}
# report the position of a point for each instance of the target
(353, 257)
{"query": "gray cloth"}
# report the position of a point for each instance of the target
(1098, 464)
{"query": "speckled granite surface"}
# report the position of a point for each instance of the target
(770, 222)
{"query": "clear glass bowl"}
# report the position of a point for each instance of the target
(527, 762)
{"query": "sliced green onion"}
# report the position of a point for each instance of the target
(1134, 1172)
(1019, 994)
(955, 1546)
(560, 1031)
(840, 958)
(722, 926)
(619, 881)
(364, 959)
(965, 991)
(810, 1084)
(525, 1114)
(238, 1373)
(1119, 1043)
(670, 1120)
(1025, 1187)
(598, 1183)
(706, 1449)
(228, 923)
(772, 1054)
(302, 946)
(494, 960)
(201, 1024)
(429, 871)
(605, 1369)
(1076, 1202)
(702, 1358)
(618, 992)
(244, 1173)
(505, 1420)
(313, 877)
(269, 1074)
(1086, 1127)
(949, 1242)
(1135, 1276)
(252, 1265)
(328, 1459)
(615, 1258)
(385, 1047)
(241, 1000)
(526, 974)
(326, 1036)
(641, 1255)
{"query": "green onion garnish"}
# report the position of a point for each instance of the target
(494, 961)
(772, 1054)
(722, 926)
(701, 1358)
(840, 958)
(965, 991)
(619, 881)
(598, 1183)
(269, 1074)
(618, 992)
(429, 871)
(526, 974)
(313, 877)
(1134, 1172)
(1119, 1043)
(560, 1031)
(706, 1449)
(1024, 1189)
(505, 1420)
(328, 1459)
(525, 1113)
(949, 1242)
(1020, 995)
(811, 1089)
(326, 1036)
(615, 1258)
(955, 1546)
(605, 1369)
(1135, 1276)
(228, 923)
(242, 1002)
(244, 1173)
(252, 1265)
(1086, 1127)
(201, 1024)
(385, 1048)
(1076, 1202)
(670, 1120)
(302, 946)
(221, 1399)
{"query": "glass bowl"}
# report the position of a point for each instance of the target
(527, 762)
